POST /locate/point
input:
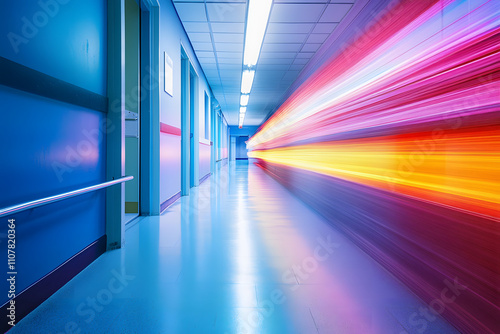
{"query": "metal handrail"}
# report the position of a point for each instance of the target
(52, 199)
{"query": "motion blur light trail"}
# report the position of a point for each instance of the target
(456, 168)
(396, 140)
(398, 84)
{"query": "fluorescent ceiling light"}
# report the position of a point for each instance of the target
(243, 110)
(244, 100)
(258, 15)
(247, 81)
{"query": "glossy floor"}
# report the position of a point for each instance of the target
(239, 255)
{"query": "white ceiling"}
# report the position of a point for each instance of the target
(296, 30)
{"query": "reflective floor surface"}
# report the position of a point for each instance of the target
(239, 255)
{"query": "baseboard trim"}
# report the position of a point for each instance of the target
(169, 202)
(38, 292)
(205, 177)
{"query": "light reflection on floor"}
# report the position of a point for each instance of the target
(239, 255)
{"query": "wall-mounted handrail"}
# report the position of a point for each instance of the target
(51, 199)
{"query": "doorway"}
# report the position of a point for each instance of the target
(194, 132)
(241, 148)
(132, 107)
(189, 125)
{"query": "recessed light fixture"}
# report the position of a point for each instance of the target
(257, 18)
(247, 81)
(258, 15)
(244, 100)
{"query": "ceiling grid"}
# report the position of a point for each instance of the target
(296, 30)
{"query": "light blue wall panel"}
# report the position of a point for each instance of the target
(170, 181)
(204, 159)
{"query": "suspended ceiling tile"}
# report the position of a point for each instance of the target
(226, 12)
(290, 75)
(285, 38)
(300, 61)
(266, 67)
(196, 27)
(228, 38)
(317, 38)
(270, 47)
(229, 61)
(231, 88)
(267, 77)
(214, 73)
(277, 55)
(233, 96)
(234, 55)
(296, 12)
(305, 55)
(231, 75)
(296, 67)
(229, 67)
(310, 47)
(301, 1)
(229, 47)
(291, 28)
(199, 37)
(335, 12)
(271, 61)
(205, 60)
(202, 46)
(241, 1)
(191, 11)
(228, 27)
(229, 83)
(208, 65)
(324, 28)
(205, 54)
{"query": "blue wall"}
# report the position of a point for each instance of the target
(240, 145)
(244, 131)
(65, 39)
(49, 147)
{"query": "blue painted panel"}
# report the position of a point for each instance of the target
(52, 147)
(62, 38)
(49, 147)
(241, 147)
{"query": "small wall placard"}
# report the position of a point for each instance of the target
(169, 75)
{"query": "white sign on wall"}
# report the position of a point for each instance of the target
(169, 75)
